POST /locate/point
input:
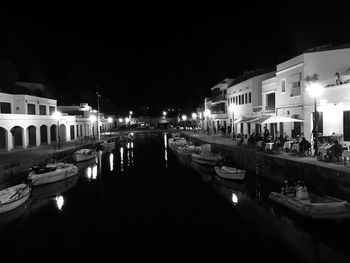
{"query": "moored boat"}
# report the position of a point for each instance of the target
(84, 155)
(210, 159)
(13, 196)
(51, 173)
(107, 146)
(313, 205)
(188, 149)
(228, 172)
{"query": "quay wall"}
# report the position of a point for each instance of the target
(318, 178)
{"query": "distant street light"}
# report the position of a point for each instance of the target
(184, 117)
(164, 113)
(57, 116)
(315, 90)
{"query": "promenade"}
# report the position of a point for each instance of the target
(218, 139)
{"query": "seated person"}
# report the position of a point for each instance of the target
(336, 149)
(304, 146)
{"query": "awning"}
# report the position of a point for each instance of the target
(246, 119)
(277, 119)
(259, 120)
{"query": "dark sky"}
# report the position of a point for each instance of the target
(157, 55)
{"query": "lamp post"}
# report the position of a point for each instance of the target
(207, 115)
(110, 120)
(232, 108)
(92, 120)
(315, 90)
(184, 118)
(57, 115)
(130, 113)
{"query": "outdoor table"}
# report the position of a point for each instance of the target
(269, 146)
(295, 147)
(287, 145)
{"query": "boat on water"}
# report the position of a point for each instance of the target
(51, 173)
(172, 142)
(211, 159)
(312, 205)
(187, 149)
(13, 196)
(53, 189)
(107, 146)
(228, 172)
(84, 155)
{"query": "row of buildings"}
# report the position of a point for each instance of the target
(27, 120)
(246, 101)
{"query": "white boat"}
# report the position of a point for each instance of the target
(51, 173)
(187, 149)
(211, 159)
(228, 172)
(107, 146)
(13, 196)
(313, 205)
(84, 155)
(172, 142)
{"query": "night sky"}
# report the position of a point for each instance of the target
(161, 56)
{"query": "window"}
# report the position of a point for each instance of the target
(295, 89)
(270, 101)
(5, 107)
(31, 108)
(51, 109)
(346, 125)
(239, 99)
(283, 85)
(246, 99)
(242, 98)
(250, 97)
(42, 109)
(233, 99)
(320, 122)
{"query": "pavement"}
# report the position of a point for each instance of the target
(219, 139)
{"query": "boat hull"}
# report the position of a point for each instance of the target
(327, 208)
(54, 176)
(232, 174)
(8, 203)
(210, 160)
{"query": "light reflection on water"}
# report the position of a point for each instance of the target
(111, 161)
(121, 158)
(166, 150)
(91, 172)
(59, 202)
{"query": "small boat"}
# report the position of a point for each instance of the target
(107, 146)
(84, 155)
(172, 142)
(51, 173)
(312, 205)
(210, 159)
(228, 172)
(188, 149)
(13, 196)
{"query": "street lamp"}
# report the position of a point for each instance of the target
(110, 120)
(315, 90)
(57, 115)
(164, 113)
(232, 108)
(92, 120)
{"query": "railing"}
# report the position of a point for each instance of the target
(218, 98)
(257, 108)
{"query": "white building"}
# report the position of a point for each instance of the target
(292, 99)
(244, 100)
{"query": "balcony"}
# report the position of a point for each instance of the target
(219, 98)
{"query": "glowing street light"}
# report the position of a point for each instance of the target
(110, 120)
(164, 113)
(57, 116)
(315, 90)
(184, 117)
(194, 115)
(120, 120)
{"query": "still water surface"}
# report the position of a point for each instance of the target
(141, 202)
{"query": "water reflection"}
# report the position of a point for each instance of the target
(166, 150)
(59, 202)
(111, 161)
(91, 172)
(121, 158)
(230, 190)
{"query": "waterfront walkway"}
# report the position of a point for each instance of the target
(220, 140)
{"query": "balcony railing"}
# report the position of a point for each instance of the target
(218, 98)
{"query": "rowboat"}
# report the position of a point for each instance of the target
(228, 172)
(51, 173)
(13, 196)
(172, 142)
(187, 149)
(84, 155)
(211, 159)
(313, 205)
(107, 146)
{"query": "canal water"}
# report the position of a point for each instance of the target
(140, 202)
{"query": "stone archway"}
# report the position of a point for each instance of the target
(63, 133)
(53, 133)
(17, 136)
(3, 139)
(31, 132)
(43, 134)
